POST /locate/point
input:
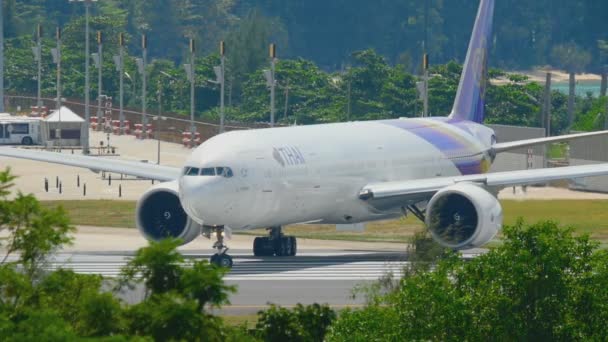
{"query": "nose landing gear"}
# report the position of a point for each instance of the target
(220, 258)
(275, 244)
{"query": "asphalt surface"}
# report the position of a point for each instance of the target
(314, 276)
(322, 276)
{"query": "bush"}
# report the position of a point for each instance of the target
(303, 323)
(543, 283)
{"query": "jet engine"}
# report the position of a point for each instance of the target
(463, 216)
(160, 215)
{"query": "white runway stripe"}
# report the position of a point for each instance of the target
(268, 270)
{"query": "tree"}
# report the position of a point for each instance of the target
(543, 283)
(303, 323)
(32, 230)
(573, 59)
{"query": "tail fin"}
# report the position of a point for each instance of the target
(470, 97)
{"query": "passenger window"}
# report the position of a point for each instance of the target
(208, 171)
(193, 171)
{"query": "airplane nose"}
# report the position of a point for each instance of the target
(201, 198)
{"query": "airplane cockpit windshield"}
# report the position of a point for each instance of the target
(222, 171)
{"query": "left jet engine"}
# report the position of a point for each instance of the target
(159, 215)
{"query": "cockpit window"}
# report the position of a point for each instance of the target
(208, 171)
(193, 171)
(224, 171)
(228, 172)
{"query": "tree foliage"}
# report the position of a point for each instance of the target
(303, 323)
(543, 283)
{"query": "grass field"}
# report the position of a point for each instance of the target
(586, 216)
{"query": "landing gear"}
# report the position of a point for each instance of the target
(414, 209)
(220, 258)
(275, 244)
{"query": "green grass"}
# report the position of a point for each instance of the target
(557, 151)
(586, 216)
(248, 320)
(102, 213)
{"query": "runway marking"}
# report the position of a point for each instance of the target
(330, 268)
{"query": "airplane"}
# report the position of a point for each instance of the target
(339, 173)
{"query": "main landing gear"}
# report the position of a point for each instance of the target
(275, 244)
(220, 258)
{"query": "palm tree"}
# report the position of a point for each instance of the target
(603, 46)
(573, 59)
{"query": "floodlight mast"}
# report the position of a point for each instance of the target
(38, 55)
(272, 81)
(57, 59)
(56, 52)
(99, 78)
(192, 76)
(144, 117)
(1, 57)
(87, 113)
(119, 60)
(222, 80)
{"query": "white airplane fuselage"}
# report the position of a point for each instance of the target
(314, 173)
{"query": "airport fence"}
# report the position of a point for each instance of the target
(169, 129)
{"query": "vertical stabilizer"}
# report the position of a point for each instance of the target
(470, 98)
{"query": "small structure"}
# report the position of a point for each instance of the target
(63, 127)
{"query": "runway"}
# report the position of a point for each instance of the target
(309, 265)
(323, 271)
(314, 276)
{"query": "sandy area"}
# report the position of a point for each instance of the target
(548, 193)
(32, 174)
(558, 76)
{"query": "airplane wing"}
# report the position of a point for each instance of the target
(133, 168)
(429, 186)
(506, 146)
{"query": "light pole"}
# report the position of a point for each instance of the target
(159, 117)
(190, 72)
(271, 81)
(56, 52)
(87, 53)
(1, 57)
(273, 60)
(99, 64)
(119, 61)
(38, 57)
(220, 79)
(141, 65)
(425, 67)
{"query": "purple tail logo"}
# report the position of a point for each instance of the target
(470, 97)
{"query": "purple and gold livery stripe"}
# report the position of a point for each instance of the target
(451, 141)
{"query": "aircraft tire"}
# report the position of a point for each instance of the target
(222, 260)
(262, 246)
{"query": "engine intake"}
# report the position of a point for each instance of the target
(160, 215)
(463, 216)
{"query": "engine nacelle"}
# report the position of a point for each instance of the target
(160, 215)
(463, 216)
